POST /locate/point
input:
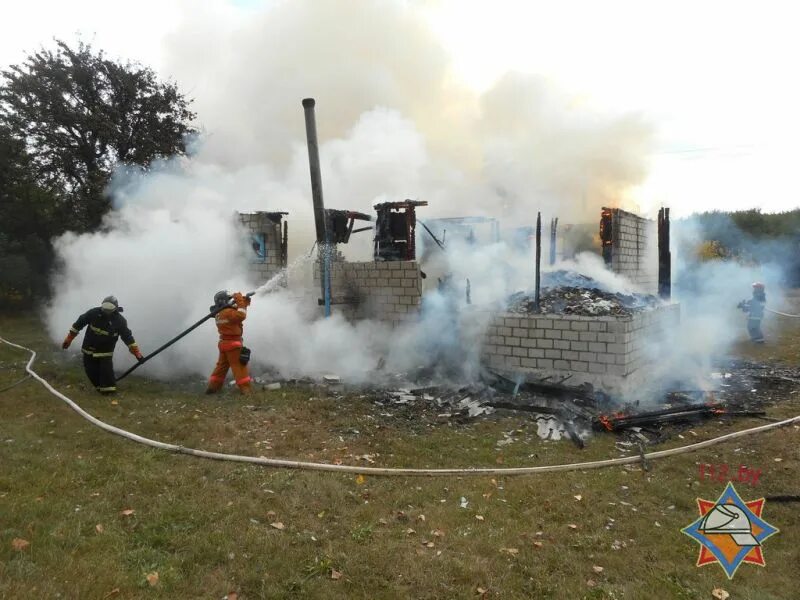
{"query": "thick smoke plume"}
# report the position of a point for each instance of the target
(523, 145)
(393, 124)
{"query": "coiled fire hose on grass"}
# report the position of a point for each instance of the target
(295, 464)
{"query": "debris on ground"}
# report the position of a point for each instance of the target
(587, 302)
(559, 411)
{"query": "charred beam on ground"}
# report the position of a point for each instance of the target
(620, 421)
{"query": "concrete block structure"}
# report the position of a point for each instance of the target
(389, 291)
(266, 243)
(633, 249)
(609, 352)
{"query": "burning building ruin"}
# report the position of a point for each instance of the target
(577, 330)
(388, 288)
(580, 331)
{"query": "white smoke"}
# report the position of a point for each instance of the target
(393, 124)
(710, 322)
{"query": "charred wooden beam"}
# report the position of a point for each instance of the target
(339, 224)
(619, 422)
(538, 259)
(607, 235)
(664, 256)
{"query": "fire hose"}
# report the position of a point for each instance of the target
(782, 313)
(294, 464)
(211, 314)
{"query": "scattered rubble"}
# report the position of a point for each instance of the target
(569, 292)
(560, 411)
(587, 302)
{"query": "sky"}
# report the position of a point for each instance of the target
(714, 79)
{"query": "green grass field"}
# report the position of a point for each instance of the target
(103, 515)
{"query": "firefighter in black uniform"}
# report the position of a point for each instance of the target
(105, 325)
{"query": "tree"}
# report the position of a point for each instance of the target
(80, 114)
(29, 216)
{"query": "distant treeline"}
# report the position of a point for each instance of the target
(750, 236)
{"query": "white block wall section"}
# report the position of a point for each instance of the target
(634, 249)
(608, 352)
(388, 291)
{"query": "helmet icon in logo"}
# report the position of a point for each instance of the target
(730, 531)
(729, 519)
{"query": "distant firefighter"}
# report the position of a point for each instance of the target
(232, 353)
(755, 311)
(105, 326)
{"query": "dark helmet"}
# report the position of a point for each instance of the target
(110, 304)
(222, 298)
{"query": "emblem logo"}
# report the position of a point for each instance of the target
(730, 531)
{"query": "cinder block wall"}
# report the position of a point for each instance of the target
(633, 251)
(259, 223)
(388, 291)
(603, 351)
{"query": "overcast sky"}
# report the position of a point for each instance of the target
(716, 78)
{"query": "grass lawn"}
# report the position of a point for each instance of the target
(101, 513)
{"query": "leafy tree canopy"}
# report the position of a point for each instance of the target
(79, 114)
(68, 117)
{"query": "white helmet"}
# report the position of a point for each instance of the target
(110, 304)
(729, 519)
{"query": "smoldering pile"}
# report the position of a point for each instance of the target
(570, 293)
(560, 412)
(563, 411)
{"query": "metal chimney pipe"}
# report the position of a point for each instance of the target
(320, 221)
(313, 163)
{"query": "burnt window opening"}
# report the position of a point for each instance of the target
(258, 243)
(395, 230)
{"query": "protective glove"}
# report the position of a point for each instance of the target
(135, 351)
(68, 340)
(240, 300)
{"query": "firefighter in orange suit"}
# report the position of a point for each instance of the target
(232, 353)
